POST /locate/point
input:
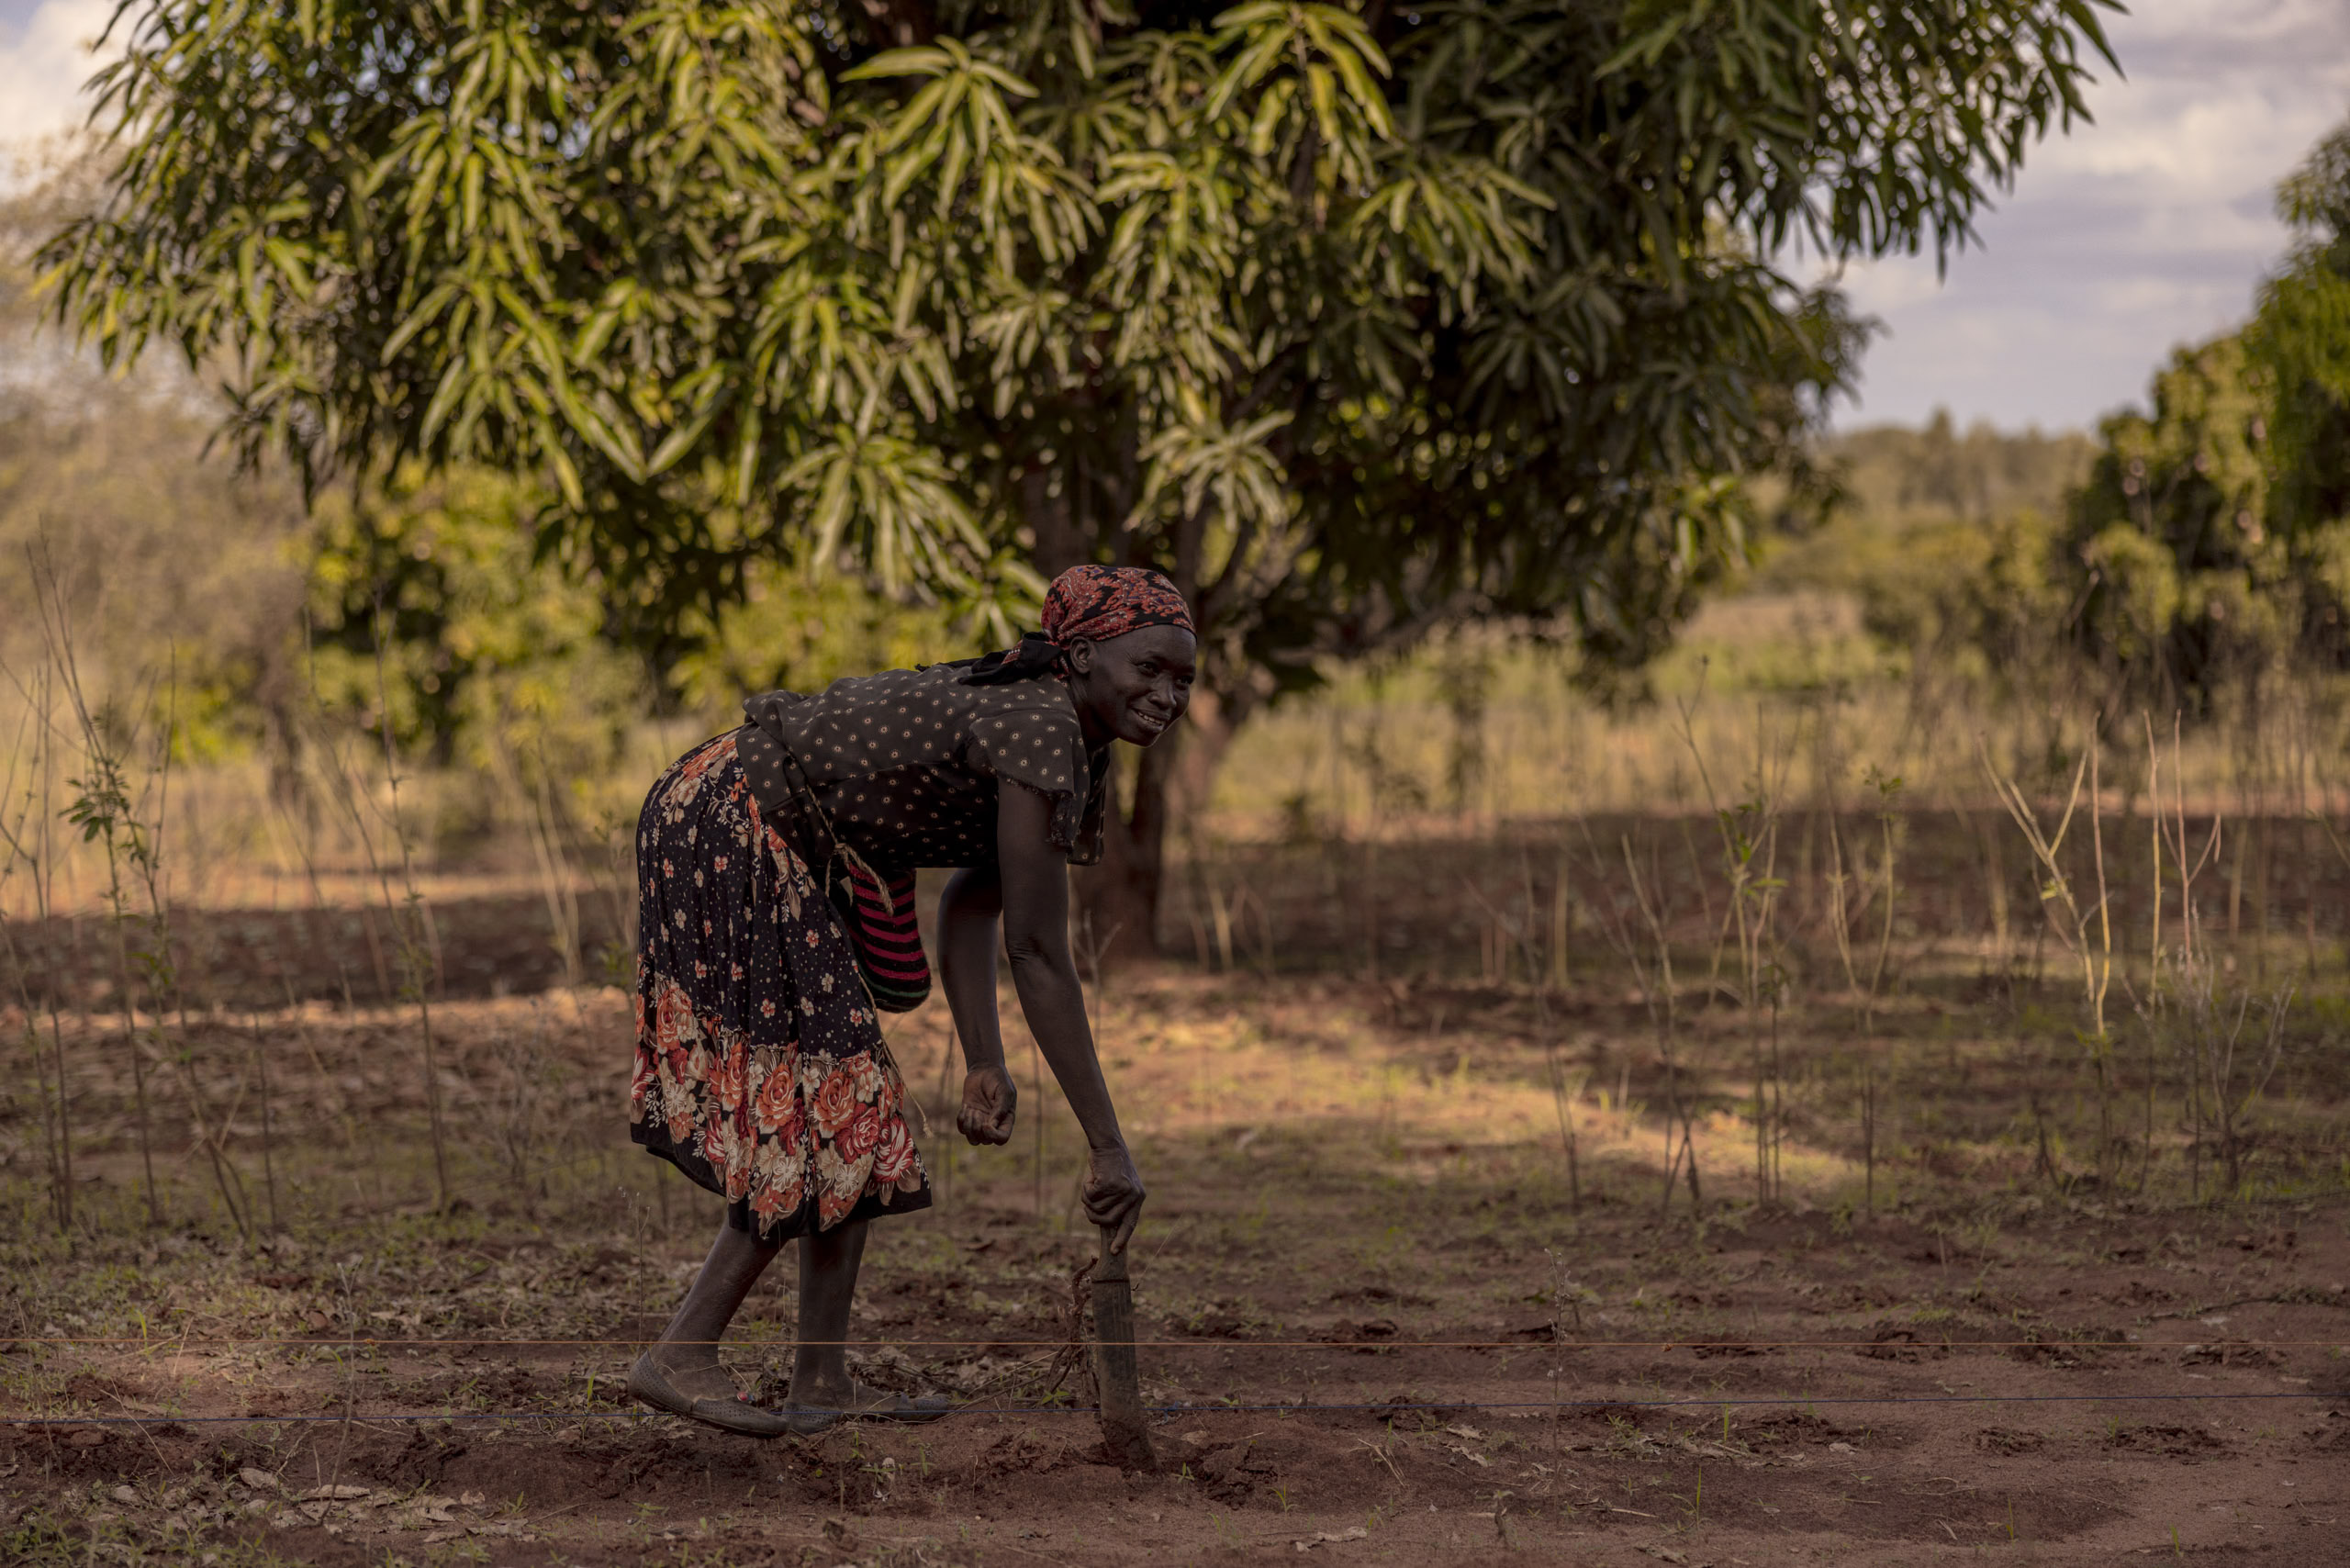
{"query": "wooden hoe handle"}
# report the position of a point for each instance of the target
(1124, 1430)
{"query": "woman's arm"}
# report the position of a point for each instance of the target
(967, 948)
(1033, 878)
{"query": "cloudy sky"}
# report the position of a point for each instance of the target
(2148, 229)
(44, 55)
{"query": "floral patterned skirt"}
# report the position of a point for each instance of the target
(760, 1068)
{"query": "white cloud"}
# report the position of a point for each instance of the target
(45, 59)
(1878, 289)
(2151, 228)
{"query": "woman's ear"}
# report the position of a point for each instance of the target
(1079, 656)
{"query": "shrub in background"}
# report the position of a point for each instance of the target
(2212, 540)
(2301, 333)
(430, 610)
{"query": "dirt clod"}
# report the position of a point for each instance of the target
(2172, 1442)
(422, 1461)
(2006, 1441)
(2230, 1353)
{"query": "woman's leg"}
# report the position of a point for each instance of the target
(687, 1352)
(828, 1265)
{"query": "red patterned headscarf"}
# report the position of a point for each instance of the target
(1093, 602)
(1101, 602)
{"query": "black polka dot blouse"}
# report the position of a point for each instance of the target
(906, 763)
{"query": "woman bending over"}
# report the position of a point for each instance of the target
(776, 871)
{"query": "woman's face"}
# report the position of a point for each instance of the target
(1132, 687)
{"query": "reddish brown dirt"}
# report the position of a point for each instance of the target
(2092, 1475)
(1344, 1191)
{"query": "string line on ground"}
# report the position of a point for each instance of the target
(1560, 1408)
(158, 1341)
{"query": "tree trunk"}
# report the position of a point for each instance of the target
(1125, 896)
(1118, 903)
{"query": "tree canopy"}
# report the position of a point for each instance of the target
(1353, 317)
(1296, 292)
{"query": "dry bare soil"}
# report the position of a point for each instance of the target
(1389, 1324)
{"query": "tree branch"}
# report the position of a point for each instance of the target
(898, 24)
